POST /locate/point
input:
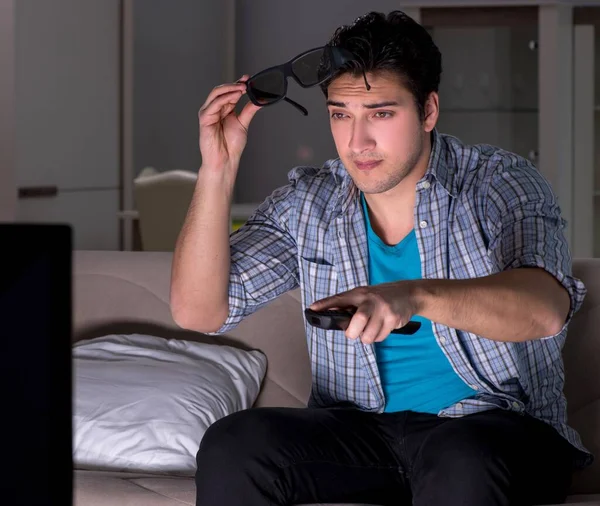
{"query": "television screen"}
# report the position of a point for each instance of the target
(35, 371)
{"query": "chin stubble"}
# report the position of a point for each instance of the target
(397, 177)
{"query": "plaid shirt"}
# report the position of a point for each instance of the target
(479, 210)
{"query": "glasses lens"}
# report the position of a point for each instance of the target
(267, 87)
(313, 67)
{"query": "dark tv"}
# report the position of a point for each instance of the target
(35, 367)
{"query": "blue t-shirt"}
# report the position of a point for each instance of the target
(415, 373)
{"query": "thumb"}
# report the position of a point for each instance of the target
(247, 114)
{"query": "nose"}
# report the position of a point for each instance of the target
(361, 139)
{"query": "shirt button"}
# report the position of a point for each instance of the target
(516, 405)
(474, 387)
(459, 405)
(423, 224)
(426, 185)
(442, 340)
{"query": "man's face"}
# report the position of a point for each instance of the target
(378, 133)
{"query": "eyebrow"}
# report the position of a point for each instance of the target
(376, 105)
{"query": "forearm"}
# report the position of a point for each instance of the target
(201, 260)
(515, 305)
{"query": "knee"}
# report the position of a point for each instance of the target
(238, 457)
(231, 441)
(460, 454)
(463, 467)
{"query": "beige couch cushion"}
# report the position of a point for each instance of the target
(129, 292)
(582, 385)
(94, 488)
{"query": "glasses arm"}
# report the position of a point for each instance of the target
(296, 105)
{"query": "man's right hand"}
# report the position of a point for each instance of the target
(202, 255)
(223, 134)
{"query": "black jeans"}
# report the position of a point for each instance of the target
(287, 456)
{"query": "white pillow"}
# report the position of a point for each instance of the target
(143, 403)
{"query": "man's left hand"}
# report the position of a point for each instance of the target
(379, 309)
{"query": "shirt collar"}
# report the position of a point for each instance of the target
(437, 167)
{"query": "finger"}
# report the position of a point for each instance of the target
(226, 87)
(326, 303)
(221, 99)
(222, 90)
(214, 108)
(358, 323)
(343, 324)
(384, 333)
(372, 330)
(219, 91)
(227, 109)
(389, 324)
(344, 299)
(247, 114)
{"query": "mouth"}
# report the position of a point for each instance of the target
(370, 165)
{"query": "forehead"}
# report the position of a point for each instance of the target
(383, 85)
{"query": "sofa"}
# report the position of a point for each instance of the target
(128, 292)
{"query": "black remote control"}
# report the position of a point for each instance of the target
(331, 319)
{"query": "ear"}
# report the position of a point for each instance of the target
(432, 111)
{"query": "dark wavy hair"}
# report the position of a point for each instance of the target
(394, 43)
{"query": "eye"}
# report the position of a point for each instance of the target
(337, 115)
(383, 114)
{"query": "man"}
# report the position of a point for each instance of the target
(408, 224)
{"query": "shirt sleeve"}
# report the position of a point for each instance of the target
(264, 260)
(527, 230)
